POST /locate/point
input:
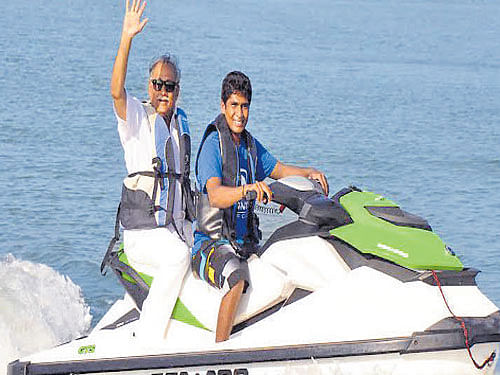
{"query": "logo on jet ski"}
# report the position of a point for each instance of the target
(392, 250)
(86, 349)
(238, 371)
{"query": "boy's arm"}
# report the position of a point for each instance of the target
(132, 25)
(221, 196)
(282, 170)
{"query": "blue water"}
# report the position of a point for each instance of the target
(398, 97)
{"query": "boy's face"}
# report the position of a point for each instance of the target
(236, 111)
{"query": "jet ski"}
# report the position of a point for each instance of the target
(353, 285)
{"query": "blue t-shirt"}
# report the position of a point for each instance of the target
(210, 165)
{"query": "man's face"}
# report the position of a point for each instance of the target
(163, 100)
(236, 111)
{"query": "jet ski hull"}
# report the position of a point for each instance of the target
(388, 356)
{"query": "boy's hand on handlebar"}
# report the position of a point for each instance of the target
(264, 193)
(320, 177)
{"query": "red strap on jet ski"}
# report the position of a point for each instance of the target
(464, 328)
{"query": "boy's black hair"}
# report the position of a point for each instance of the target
(236, 82)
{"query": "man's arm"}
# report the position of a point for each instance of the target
(132, 25)
(282, 170)
(221, 196)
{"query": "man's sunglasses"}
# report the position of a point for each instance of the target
(158, 85)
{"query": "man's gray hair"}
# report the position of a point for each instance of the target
(167, 59)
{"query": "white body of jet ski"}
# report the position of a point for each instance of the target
(318, 303)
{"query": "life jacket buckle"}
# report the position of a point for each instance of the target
(157, 167)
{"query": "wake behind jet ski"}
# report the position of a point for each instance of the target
(355, 285)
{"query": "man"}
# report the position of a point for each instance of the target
(229, 164)
(156, 196)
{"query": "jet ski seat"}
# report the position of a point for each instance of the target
(268, 286)
(198, 302)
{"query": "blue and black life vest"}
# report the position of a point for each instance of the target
(148, 196)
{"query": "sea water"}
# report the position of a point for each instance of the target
(397, 97)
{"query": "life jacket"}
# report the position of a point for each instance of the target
(221, 223)
(148, 196)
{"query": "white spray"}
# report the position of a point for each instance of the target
(39, 308)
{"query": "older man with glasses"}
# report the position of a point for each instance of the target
(156, 207)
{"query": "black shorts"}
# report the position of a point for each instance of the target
(220, 266)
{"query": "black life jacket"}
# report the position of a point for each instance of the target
(220, 223)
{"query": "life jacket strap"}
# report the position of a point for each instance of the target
(107, 256)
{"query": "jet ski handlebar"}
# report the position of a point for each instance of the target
(315, 186)
(306, 198)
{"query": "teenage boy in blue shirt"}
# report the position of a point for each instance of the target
(230, 163)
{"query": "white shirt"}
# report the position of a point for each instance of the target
(135, 137)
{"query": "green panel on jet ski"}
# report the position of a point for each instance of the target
(123, 258)
(180, 311)
(409, 247)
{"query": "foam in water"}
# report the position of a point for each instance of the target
(39, 308)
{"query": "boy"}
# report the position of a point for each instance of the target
(230, 163)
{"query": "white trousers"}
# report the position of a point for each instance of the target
(161, 254)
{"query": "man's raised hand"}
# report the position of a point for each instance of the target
(132, 24)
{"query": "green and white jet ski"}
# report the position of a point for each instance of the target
(355, 285)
